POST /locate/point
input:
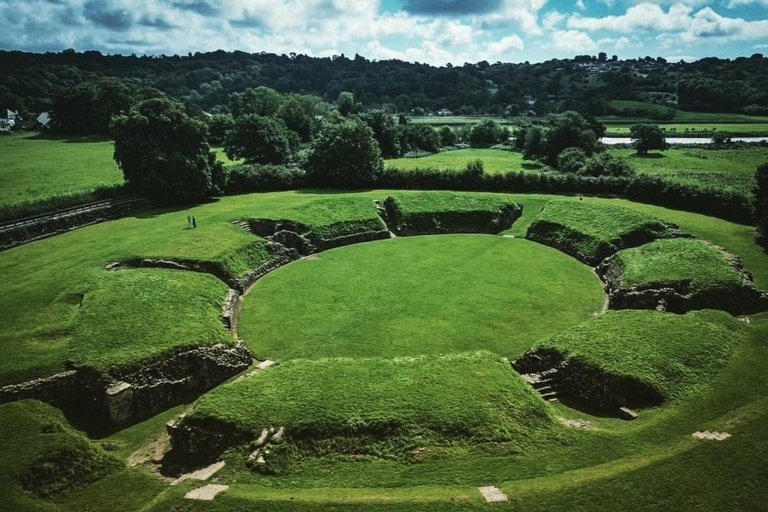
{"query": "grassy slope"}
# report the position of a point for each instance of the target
(41, 451)
(429, 202)
(674, 354)
(330, 217)
(676, 261)
(37, 166)
(591, 229)
(417, 295)
(470, 395)
(133, 316)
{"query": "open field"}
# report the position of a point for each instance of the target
(653, 462)
(36, 166)
(620, 126)
(421, 295)
(494, 161)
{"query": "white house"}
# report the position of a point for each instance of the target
(43, 120)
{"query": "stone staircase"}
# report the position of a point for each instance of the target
(242, 225)
(547, 383)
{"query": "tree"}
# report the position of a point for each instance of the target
(571, 160)
(261, 101)
(534, 146)
(646, 137)
(419, 137)
(72, 110)
(295, 116)
(568, 130)
(345, 154)
(604, 164)
(487, 133)
(259, 139)
(384, 131)
(218, 126)
(345, 103)
(163, 152)
(761, 204)
(447, 136)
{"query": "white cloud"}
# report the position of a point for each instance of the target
(505, 45)
(760, 46)
(580, 5)
(616, 44)
(552, 19)
(645, 16)
(738, 3)
(572, 41)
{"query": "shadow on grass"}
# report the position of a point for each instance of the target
(69, 139)
(531, 166)
(586, 408)
(649, 156)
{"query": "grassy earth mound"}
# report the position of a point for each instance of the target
(638, 358)
(381, 407)
(323, 223)
(130, 317)
(450, 212)
(680, 274)
(418, 295)
(42, 455)
(592, 231)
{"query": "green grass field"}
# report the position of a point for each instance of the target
(682, 116)
(421, 295)
(653, 463)
(36, 166)
(494, 161)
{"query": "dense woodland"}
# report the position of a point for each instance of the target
(29, 82)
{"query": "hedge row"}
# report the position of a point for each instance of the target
(648, 189)
(23, 209)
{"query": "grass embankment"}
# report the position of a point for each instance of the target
(42, 456)
(450, 212)
(701, 267)
(592, 231)
(409, 403)
(674, 355)
(134, 316)
(328, 218)
(420, 295)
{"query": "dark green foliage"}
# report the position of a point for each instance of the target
(605, 164)
(571, 160)
(592, 231)
(218, 126)
(58, 202)
(260, 101)
(419, 137)
(487, 133)
(345, 155)
(260, 139)
(647, 137)
(298, 117)
(43, 455)
(671, 355)
(447, 136)
(566, 130)
(345, 103)
(761, 204)
(164, 153)
(260, 178)
(384, 131)
(89, 108)
(534, 144)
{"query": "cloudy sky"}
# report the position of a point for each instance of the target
(433, 31)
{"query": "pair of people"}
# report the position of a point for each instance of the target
(191, 222)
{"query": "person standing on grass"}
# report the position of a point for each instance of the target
(194, 222)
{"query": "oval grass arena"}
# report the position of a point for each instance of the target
(418, 295)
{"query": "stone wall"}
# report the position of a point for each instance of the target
(447, 221)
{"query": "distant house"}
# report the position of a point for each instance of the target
(43, 121)
(9, 121)
(444, 112)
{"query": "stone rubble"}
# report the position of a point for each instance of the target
(492, 494)
(206, 493)
(711, 436)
